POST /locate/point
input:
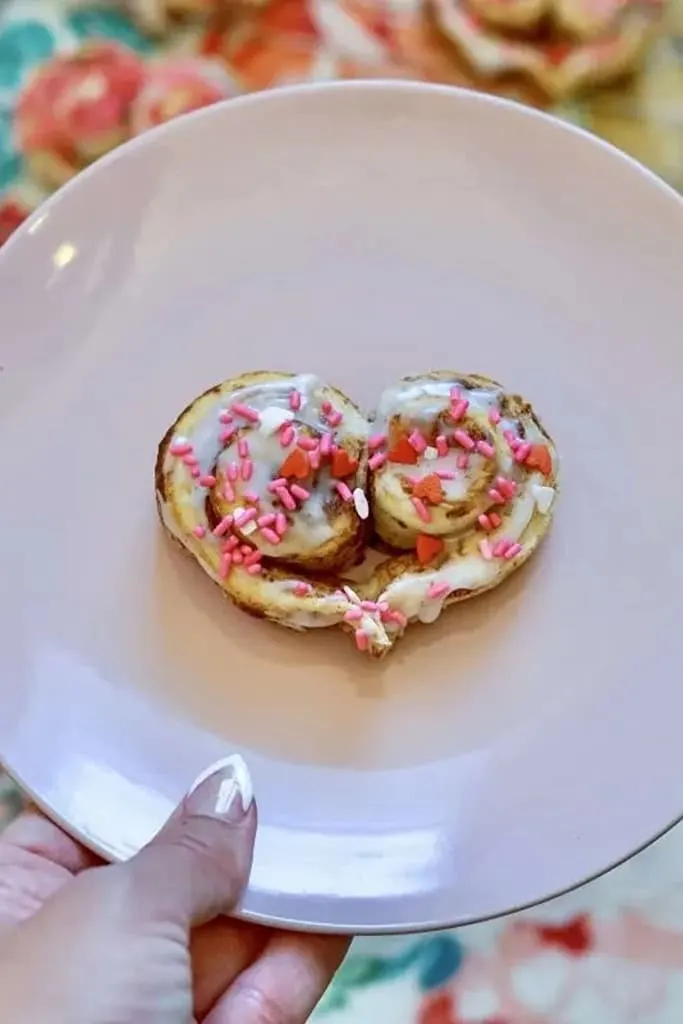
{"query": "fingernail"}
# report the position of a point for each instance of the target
(223, 790)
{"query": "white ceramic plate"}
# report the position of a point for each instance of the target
(362, 231)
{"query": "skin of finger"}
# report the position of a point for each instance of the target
(286, 982)
(83, 960)
(195, 861)
(36, 860)
(220, 951)
(36, 834)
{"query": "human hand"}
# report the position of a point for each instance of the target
(143, 941)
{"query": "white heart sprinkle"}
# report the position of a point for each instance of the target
(543, 496)
(361, 503)
(430, 453)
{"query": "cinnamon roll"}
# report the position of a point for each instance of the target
(280, 488)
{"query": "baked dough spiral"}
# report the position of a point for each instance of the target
(278, 486)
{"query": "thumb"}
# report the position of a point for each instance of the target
(198, 865)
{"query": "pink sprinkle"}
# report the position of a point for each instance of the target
(508, 488)
(314, 458)
(399, 618)
(247, 469)
(233, 472)
(230, 544)
(286, 499)
(270, 535)
(445, 474)
(254, 569)
(417, 441)
(442, 445)
(485, 549)
(295, 400)
(353, 615)
(237, 558)
(226, 436)
(464, 439)
(266, 520)
(199, 531)
(190, 460)
(225, 566)
(494, 416)
(246, 549)
(245, 516)
(275, 484)
(281, 524)
(243, 448)
(383, 607)
(225, 416)
(325, 445)
(454, 393)
(207, 480)
(299, 492)
(301, 589)
(462, 462)
(335, 418)
(376, 441)
(495, 520)
(287, 436)
(484, 521)
(362, 640)
(437, 589)
(377, 460)
(496, 496)
(251, 557)
(486, 449)
(369, 606)
(228, 491)
(500, 547)
(512, 551)
(246, 412)
(510, 437)
(522, 453)
(180, 448)
(458, 409)
(223, 526)
(308, 444)
(195, 472)
(343, 491)
(422, 510)
(252, 496)
(326, 407)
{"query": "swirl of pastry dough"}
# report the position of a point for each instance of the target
(463, 479)
(262, 480)
(273, 484)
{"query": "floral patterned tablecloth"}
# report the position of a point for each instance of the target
(611, 952)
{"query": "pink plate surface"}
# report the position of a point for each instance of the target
(361, 231)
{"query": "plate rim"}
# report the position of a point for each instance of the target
(284, 93)
(317, 928)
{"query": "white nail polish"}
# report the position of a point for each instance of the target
(236, 781)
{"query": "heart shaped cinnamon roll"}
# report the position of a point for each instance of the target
(280, 488)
